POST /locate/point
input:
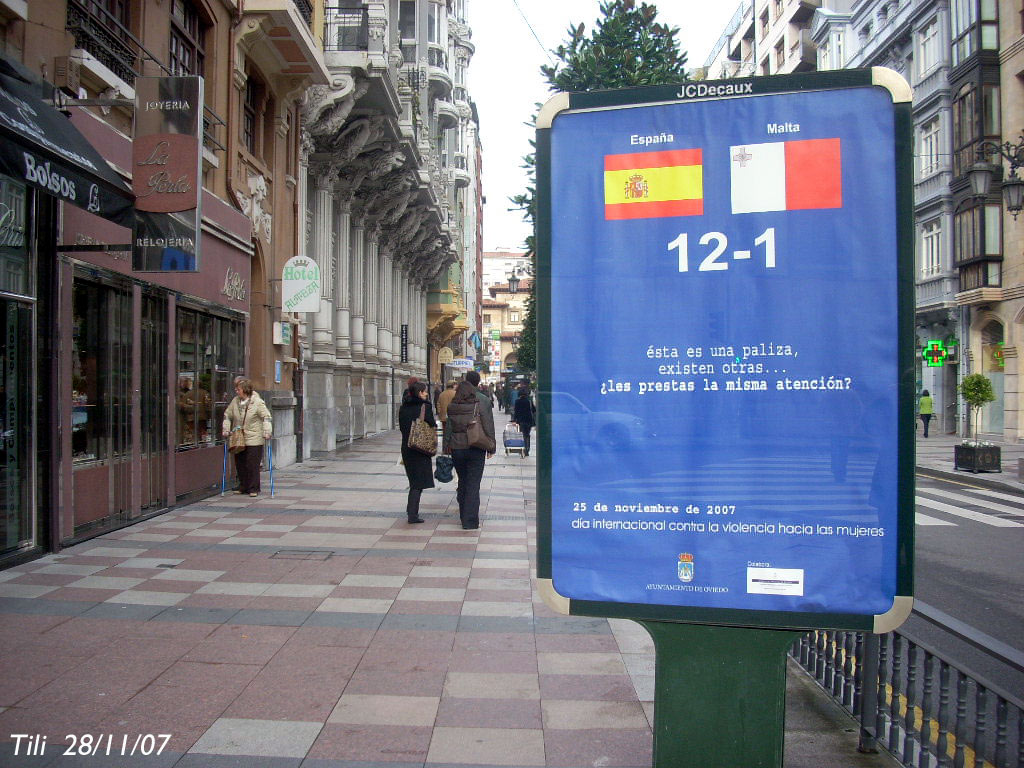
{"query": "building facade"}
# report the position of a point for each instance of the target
(129, 363)
(909, 38)
(341, 132)
(390, 213)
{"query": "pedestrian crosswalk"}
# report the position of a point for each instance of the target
(815, 485)
(957, 504)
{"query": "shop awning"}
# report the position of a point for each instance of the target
(41, 147)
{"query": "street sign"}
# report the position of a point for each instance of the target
(725, 352)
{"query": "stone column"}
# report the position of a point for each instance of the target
(397, 310)
(342, 322)
(358, 292)
(321, 251)
(342, 283)
(385, 328)
(371, 290)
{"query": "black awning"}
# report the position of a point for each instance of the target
(41, 147)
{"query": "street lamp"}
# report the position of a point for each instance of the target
(981, 173)
(513, 281)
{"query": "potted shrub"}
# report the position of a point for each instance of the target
(976, 455)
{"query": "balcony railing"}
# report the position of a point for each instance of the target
(437, 58)
(305, 9)
(102, 34)
(346, 29)
(914, 703)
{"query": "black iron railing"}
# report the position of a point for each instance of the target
(305, 9)
(103, 35)
(346, 29)
(914, 703)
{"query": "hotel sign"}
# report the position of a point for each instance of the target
(166, 164)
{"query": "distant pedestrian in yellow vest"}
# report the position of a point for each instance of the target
(925, 409)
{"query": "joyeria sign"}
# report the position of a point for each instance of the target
(166, 161)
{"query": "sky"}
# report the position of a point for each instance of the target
(505, 82)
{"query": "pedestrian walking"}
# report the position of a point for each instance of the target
(925, 409)
(445, 399)
(469, 404)
(247, 412)
(524, 415)
(418, 466)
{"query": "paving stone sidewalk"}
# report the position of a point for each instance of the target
(317, 629)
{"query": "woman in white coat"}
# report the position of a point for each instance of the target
(249, 413)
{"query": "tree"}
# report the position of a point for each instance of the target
(627, 47)
(976, 390)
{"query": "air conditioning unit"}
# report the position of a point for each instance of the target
(67, 74)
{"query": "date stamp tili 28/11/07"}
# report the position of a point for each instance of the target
(88, 745)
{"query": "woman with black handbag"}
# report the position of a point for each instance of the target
(419, 466)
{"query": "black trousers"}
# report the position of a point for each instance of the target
(526, 438)
(247, 465)
(925, 418)
(412, 504)
(469, 466)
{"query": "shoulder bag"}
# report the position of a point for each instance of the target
(236, 440)
(476, 435)
(422, 436)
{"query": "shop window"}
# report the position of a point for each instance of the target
(15, 276)
(187, 35)
(210, 355)
(101, 371)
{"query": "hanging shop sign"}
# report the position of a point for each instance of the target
(300, 285)
(166, 165)
(404, 348)
(445, 356)
(737, 453)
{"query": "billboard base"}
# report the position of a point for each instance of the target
(719, 695)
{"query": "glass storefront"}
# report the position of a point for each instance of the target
(211, 352)
(17, 521)
(101, 366)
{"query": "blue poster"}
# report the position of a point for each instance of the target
(724, 356)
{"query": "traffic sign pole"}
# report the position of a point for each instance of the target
(719, 695)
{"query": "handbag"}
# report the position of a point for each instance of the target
(236, 440)
(443, 472)
(422, 436)
(476, 435)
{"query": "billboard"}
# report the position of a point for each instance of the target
(726, 361)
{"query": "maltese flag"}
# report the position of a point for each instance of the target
(786, 176)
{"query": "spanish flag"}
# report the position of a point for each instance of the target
(649, 185)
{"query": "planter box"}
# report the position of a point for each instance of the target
(981, 458)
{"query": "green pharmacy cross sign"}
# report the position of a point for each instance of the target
(935, 354)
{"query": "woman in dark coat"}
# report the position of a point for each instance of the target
(524, 414)
(469, 404)
(419, 467)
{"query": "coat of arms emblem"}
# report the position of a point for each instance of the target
(636, 187)
(684, 568)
